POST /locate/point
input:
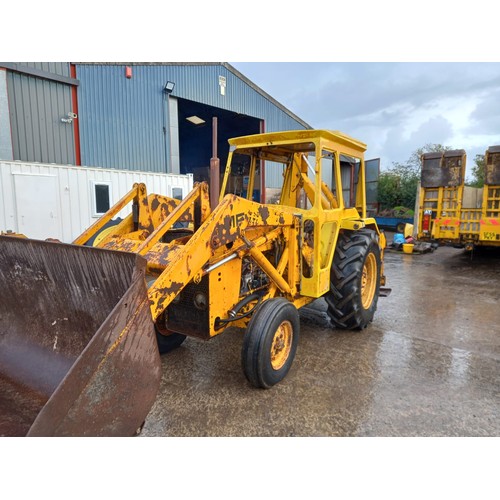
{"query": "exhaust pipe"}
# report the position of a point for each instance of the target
(214, 169)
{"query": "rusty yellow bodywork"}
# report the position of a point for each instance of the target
(481, 226)
(203, 256)
(441, 192)
(442, 197)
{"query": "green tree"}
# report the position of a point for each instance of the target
(478, 171)
(398, 185)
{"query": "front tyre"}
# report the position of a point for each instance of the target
(270, 342)
(354, 280)
(167, 340)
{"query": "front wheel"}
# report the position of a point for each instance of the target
(354, 280)
(167, 340)
(167, 343)
(270, 342)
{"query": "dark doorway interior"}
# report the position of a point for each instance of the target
(195, 141)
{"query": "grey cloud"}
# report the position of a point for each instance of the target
(485, 119)
(374, 102)
(358, 89)
(437, 130)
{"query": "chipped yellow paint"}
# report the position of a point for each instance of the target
(292, 242)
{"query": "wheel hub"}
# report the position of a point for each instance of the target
(282, 344)
(368, 281)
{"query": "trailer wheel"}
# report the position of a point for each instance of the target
(270, 342)
(354, 280)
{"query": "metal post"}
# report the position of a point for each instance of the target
(214, 168)
(166, 130)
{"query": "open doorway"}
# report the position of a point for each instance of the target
(195, 136)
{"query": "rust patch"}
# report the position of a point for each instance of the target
(264, 213)
(149, 229)
(123, 245)
(174, 289)
(187, 215)
(155, 204)
(222, 234)
(145, 231)
(163, 211)
(161, 257)
(166, 208)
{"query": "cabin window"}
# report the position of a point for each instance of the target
(101, 193)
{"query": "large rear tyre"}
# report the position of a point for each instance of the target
(354, 280)
(270, 342)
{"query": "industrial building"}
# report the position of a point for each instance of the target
(152, 117)
(159, 123)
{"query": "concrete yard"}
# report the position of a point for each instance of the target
(429, 365)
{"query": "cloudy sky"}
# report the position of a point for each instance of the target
(411, 98)
(394, 107)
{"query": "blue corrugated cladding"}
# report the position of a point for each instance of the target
(122, 120)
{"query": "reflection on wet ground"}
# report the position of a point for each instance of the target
(429, 365)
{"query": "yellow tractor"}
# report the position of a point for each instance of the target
(81, 327)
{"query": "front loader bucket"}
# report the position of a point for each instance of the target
(78, 352)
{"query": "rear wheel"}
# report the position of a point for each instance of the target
(354, 280)
(270, 342)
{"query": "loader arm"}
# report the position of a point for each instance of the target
(236, 228)
(141, 217)
(223, 234)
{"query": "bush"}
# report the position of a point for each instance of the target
(397, 190)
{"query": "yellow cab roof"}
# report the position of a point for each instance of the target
(337, 140)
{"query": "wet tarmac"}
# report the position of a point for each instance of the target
(428, 365)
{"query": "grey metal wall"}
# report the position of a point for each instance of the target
(122, 119)
(36, 107)
(5, 134)
(58, 68)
